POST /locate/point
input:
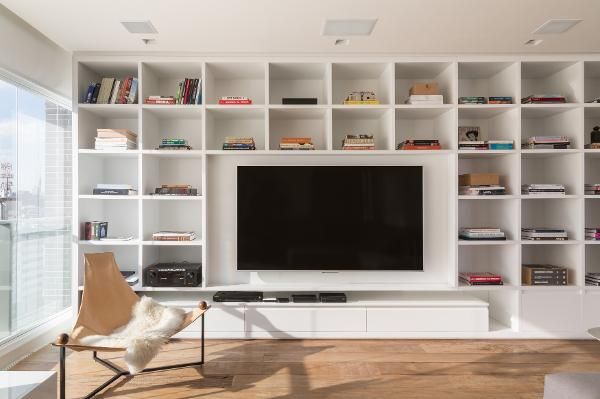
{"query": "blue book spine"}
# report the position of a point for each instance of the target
(90, 92)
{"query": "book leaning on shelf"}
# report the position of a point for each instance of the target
(112, 91)
(114, 189)
(174, 236)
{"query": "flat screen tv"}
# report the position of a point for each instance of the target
(329, 218)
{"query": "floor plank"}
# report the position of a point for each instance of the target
(349, 369)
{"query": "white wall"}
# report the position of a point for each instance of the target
(26, 52)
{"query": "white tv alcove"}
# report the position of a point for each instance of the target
(400, 304)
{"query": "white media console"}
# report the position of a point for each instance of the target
(401, 304)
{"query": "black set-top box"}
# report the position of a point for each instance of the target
(238, 296)
(299, 100)
(333, 297)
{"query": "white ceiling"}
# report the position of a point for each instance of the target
(294, 26)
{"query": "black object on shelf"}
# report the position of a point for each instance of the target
(173, 274)
(595, 134)
(238, 296)
(333, 297)
(299, 100)
(304, 298)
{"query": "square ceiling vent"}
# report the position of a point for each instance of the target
(139, 26)
(348, 27)
(554, 26)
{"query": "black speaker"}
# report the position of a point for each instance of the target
(595, 134)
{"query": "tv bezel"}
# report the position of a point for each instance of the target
(333, 270)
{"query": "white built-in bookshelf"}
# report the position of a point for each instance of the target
(516, 310)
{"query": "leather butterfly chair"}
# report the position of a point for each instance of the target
(106, 305)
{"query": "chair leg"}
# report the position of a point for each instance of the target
(202, 338)
(61, 376)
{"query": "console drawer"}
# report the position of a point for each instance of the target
(305, 319)
(427, 319)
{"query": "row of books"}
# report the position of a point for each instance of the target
(173, 144)
(423, 144)
(547, 142)
(543, 189)
(544, 99)
(358, 142)
(189, 91)
(481, 233)
(112, 91)
(239, 143)
(484, 100)
(296, 143)
(115, 139)
(487, 145)
(592, 278)
(544, 234)
(168, 235)
(114, 189)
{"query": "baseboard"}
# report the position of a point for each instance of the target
(21, 346)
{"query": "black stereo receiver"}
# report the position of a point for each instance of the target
(176, 274)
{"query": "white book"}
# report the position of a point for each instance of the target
(115, 92)
(107, 186)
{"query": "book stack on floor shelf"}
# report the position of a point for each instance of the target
(424, 144)
(547, 143)
(296, 143)
(481, 234)
(543, 234)
(115, 139)
(168, 235)
(173, 144)
(112, 91)
(480, 278)
(358, 142)
(534, 274)
(239, 143)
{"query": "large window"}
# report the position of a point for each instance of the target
(35, 208)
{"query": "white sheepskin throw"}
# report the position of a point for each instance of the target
(150, 327)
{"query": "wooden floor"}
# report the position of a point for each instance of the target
(348, 369)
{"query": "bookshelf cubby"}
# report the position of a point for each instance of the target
(516, 310)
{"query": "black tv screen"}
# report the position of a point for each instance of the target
(330, 218)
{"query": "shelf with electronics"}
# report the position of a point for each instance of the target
(203, 124)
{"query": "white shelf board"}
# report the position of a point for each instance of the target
(539, 196)
(550, 242)
(193, 243)
(487, 197)
(592, 242)
(111, 110)
(591, 196)
(362, 106)
(109, 153)
(324, 287)
(298, 106)
(328, 152)
(108, 197)
(236, 106)
(465, 287)
(172, 197)
(551, 288)
(173, 153)
(485, 242)
(132, 242)
(483, 111)
(529, 153)
(591, 153)
(534, 111)
(410, 107)
(484, 153)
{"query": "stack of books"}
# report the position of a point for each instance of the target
(361, 98)
(543, 189)
(424, 144)
(239, 143)
(543, 234)
(176, 190)
(115, 139)
(547, 142)
(160, 100)
(114, 189)
(592, 146)
(482, 190)
(592, 189)
(544, 99)
(296, 143)
(487, 145)
(592, 233)
(544, 275)
(234, 100)
(189, 91)
(592, 279)
(481, 233)
(471, 100)
(473, 145)
(358, 142)
(112, 91)
(173, 144)
(174, 236)
(423, 99)
(500, 100)
(480, 278)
